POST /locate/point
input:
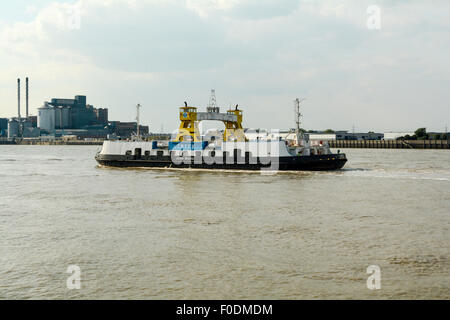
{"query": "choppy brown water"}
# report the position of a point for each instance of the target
(148, 234)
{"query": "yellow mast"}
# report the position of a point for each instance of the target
(233, 129)
(188, 125)
(189, 117)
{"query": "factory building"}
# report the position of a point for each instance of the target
(13, 128)
(65, 117)
(29, 130)
(101, 115)
(33, 120)
(345, 135)
(62, 117)
(20, 127)
(126, 129)
(3, 127)
(60, 114)
(46, 118)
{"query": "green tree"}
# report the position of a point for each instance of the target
(329, 131)
(421, 133)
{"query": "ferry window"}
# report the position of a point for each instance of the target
(147, 153)
(128, 153)
(159, 154)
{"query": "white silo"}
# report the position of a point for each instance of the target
(63, 118)
(46, 118)
(13, 128)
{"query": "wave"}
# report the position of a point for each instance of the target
(399, 174)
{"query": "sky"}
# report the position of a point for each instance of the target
(372, 65)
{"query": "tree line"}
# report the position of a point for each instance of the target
(422, 134)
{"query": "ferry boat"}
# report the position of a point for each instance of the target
(231, 150)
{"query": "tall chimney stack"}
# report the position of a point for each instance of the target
(18, 98)
(26, 97)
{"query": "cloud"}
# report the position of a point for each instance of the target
(243, 9)
(30, 9)
(261, 54)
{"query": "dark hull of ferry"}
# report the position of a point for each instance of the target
(315, 162)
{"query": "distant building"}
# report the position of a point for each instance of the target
(345, 135)
(69, 117)
(322, 136)
(97, 133)
(70, 114)
(126, 129)
(61, 116)
(3, 127)
(263, 134)
(395, 135)
(13, 128)
(31, 132)
(102, 115)
(33, 120)
(366, 136)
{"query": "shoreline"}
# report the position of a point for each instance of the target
(52, 143)
(360, 144)
(391, 144)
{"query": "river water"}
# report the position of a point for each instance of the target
(183, 234)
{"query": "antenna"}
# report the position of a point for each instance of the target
(212, 99)
(26, 97)
(138, 121)
(18, 99)
(212, 105)
(298, 115)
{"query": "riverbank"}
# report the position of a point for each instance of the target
(369, 144)
(53, 142)
(391, 144)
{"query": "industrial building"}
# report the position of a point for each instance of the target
(3, 127)
(253, 134)
(345, 135)
(70, 114)
(75, 117)
(23, 127)
(126, 129)
(65, 117)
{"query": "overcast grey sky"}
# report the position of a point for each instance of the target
(261, 54)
